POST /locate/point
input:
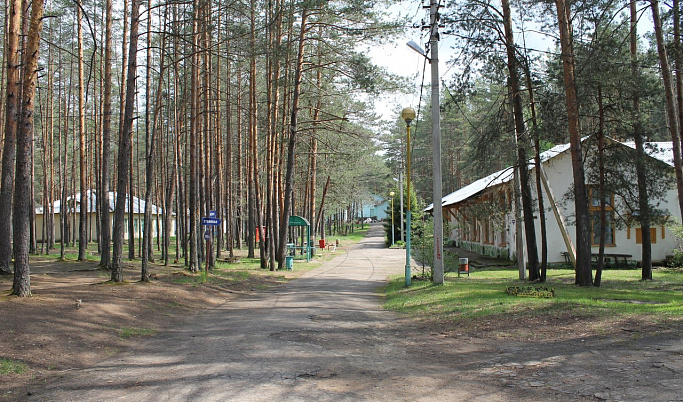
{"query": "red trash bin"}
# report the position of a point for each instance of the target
(321, 243)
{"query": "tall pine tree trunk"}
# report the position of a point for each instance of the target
(289, 175)
(103, 197)
(85, 198)
(22, 282)
(522, 143)
(584, 271)
(192, 182)
(641, 174)
(124, 155)
(670, 100)
(13, 106)
(539, 167)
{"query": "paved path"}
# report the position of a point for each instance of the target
(323, 337)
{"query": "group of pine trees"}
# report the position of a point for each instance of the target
(247, 108)
(250, 108)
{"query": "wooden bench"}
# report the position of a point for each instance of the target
(610, 259)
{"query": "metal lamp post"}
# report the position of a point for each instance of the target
(392, 217)
(408, 115)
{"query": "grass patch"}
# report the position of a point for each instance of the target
(11, 367)
(129, 332)
(483, 294)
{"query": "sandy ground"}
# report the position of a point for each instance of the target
(322, 337)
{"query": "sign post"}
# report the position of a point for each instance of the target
(212, 220)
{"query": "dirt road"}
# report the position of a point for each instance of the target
(325, 337)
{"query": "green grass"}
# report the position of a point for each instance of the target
(128, 332)
(483, 294)
(354, 237)
(11, 367)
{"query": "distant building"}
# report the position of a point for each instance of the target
(73, 210)
(375, 209)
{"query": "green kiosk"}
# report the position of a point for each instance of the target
(305, 249)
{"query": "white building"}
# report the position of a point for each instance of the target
(73, 215)
(481, 215)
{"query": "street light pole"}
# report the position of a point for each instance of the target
(392, 217)
(400, 193)
(408, 115)
(436, 141)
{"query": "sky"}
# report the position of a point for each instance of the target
(399, 59)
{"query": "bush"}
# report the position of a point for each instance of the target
(677, 259)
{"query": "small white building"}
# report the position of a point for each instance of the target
(73, 215)
(376, 208)
(481, 215)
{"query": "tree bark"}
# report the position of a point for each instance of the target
(539, 167)
(641, 174)
(150, 140)
(670, 100)
(124, 154)
(103, 197)
(522, 143)
(13, 99)
(22, 282)
(601, 189)
(85, 198)
(584, 271)
(194, 102)
(289, 175)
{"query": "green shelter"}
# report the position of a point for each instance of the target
(298, 221)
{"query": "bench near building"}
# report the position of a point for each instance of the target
(481, 215)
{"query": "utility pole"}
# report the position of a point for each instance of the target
(436, 142)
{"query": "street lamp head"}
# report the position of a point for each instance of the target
(408, 114)
(391, 194)
(417, 48)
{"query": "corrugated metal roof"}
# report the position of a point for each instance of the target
(663, 151)
(91, 196)
(494, 179)
(660, 150)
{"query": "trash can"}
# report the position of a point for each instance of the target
(321, 243)
(463, 266)
(289, 262)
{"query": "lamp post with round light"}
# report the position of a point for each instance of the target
(391, 194)
(408, 115)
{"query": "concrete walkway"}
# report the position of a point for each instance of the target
(323, 337)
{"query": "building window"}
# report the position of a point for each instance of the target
(594, 208)
(639, 235)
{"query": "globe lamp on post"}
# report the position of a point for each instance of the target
(408, 115)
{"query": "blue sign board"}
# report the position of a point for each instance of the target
(211, 221)
(207, 235)
(212, 214)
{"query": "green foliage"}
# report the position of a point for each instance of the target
(620, 176)
(399, 244)
(8, 366)
(414, 207)
(677, 260)
(422, 241)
